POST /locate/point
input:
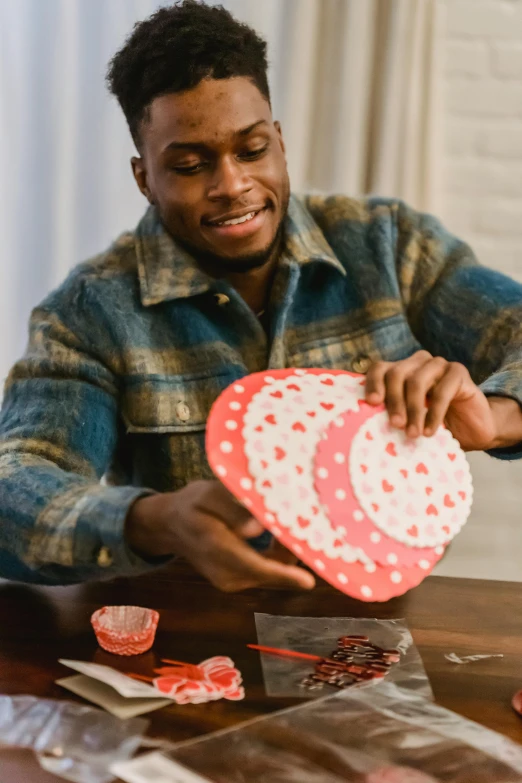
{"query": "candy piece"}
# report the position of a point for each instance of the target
(343, 671)
(213, 679)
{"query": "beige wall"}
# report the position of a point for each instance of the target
(483, 143)
(483, 204)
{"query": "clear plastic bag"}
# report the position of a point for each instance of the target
(319, 635)
(74, 741)
(380, 734)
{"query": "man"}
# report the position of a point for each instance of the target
(228, 274)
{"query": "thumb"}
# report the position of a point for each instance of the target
(251, 528)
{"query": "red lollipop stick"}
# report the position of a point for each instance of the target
(285, 653)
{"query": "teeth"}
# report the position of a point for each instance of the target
(236, 221)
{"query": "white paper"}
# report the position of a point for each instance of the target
(125, 686)
(155, 768)
(104, 696)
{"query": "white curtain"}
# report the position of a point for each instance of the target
(354, 84)
(359, 96)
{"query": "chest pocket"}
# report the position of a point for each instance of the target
(165, 419)
(388, 340)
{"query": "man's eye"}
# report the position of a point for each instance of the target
(253, 154)
(187, 170)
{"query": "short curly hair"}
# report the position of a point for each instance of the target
(175, 49)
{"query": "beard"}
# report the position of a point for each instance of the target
(216, 264)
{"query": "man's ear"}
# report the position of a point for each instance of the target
(140, 175)
(277, 126)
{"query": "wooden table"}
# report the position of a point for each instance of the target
(40, 625)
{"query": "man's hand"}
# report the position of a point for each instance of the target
(423, 392)
(204, 524)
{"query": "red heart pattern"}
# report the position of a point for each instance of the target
(330, 471)
(415, 460)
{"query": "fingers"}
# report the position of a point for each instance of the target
(417, 391)
(250, 529)
(385, 382)
(396, 391)
(443, 394)
(231, 565)
(375, 385)
(277, 551)
(416, 388)
(214, 499)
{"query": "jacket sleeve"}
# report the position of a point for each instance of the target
(58, 432)
(459, 309)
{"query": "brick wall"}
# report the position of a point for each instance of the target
(483, 129)
(483, 205)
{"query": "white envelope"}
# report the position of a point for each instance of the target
(115, 692)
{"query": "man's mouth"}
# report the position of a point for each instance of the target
(237, 221)
(240, 224)
(235, 218)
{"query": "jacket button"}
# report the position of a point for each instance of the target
(104, 558)
(182, 411)
(361, 364)
(222, 299)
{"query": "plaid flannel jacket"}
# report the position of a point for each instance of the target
(127, 356)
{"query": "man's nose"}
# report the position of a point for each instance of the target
(230, 181)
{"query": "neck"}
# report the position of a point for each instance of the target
(254, 286)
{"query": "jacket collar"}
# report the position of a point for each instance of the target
(166, 271)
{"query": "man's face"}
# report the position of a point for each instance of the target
(213, 163)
